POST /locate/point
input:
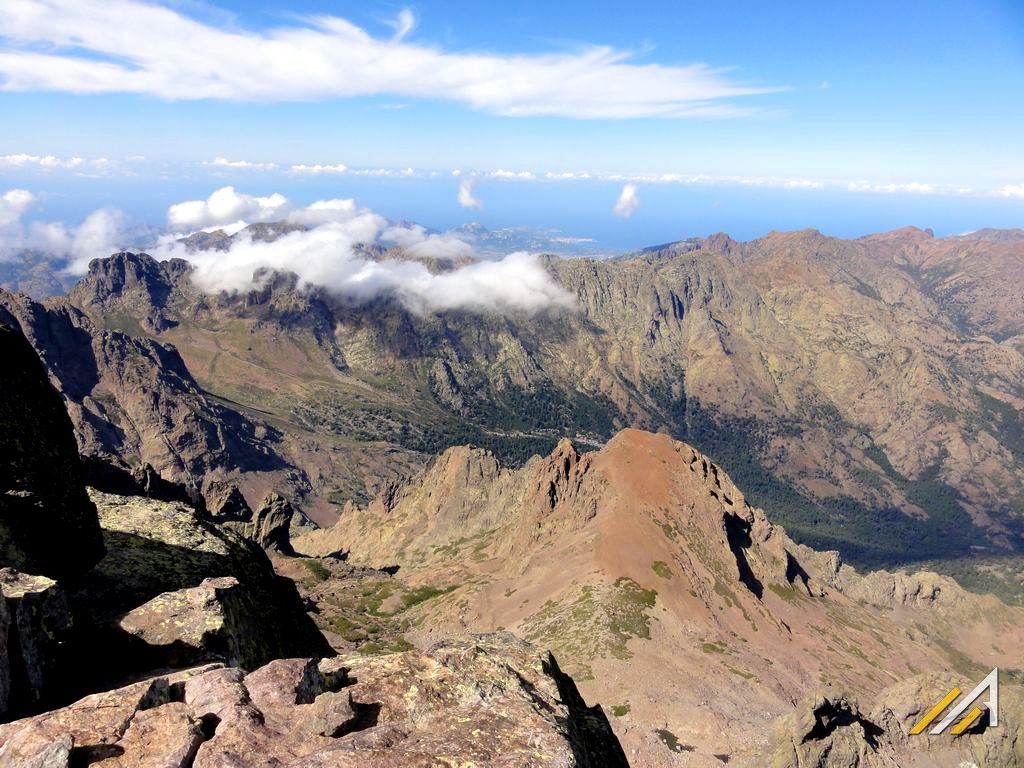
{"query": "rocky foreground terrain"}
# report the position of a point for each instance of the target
(243, 530)
(147, 634)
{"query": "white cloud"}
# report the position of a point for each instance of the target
(501, 173)
(403, 24)
(13, 204)
(325, 212)
(226, 206)
(394, 173)
(89, 48)
(628, 202)
(317, 170)
(912, 187)
(466, 198)
(244, 165)
(41, 161)
(801, 184)
(567, 176)
(96, 236)
(1011, 190)
(328, 255)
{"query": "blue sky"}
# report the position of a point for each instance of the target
(847, 117)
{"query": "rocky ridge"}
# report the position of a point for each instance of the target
(667, 595)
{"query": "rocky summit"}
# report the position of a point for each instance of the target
(675, 602)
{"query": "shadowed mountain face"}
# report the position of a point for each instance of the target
(848, 384)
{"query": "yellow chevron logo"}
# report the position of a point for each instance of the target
(989, 684)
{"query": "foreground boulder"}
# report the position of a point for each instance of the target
(490, 701)
(48, 526)
(175, 589)
(216, 620)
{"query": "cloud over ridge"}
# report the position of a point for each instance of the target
(331, 254)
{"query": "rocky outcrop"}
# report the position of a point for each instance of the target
(489, 701)
(48, 525)
(657, 584)
(175, 589)
(829, 730)
(39, 626)
(225, 503)
(270, 524)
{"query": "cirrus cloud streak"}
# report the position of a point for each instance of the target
(92, 48)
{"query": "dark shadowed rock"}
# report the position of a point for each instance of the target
(48, 525)
(224, 503)
(40, 622)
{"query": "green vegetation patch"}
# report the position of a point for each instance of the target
(317, 570)
(621, 710)
(597, 622)
(422, 594)
(661, 568)
(628, 609)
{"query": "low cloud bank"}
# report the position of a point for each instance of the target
(330, 254)
(74, 246)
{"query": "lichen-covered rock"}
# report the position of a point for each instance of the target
(490, 701)
(47, 523)
(104, 726)
(167, 571)
(216, 620)
(40, 621)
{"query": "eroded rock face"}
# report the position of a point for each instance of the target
(489, 701)
(48, 525)
(269, 525)
(132, 401)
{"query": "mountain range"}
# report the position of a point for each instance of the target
(726, 485)
(845, 383)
